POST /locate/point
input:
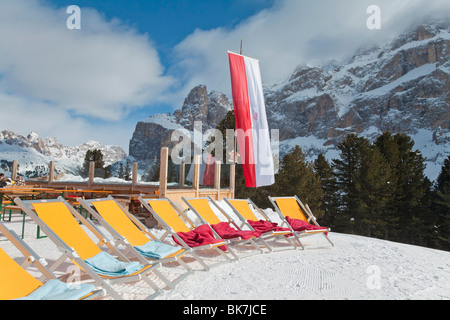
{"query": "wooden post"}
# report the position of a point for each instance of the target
(217, 168)
(91, 174)
(196, 177)
(134, 174)
(163, 171)
(14, 170)
(232, 178)
(51, 172)
(182, 173)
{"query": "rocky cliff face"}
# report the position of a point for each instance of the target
(402, 86)
(155, 132)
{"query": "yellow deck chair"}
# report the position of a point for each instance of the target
(292, 207)
(59, 221)
(17, 283)
(130, 232)
(202, 208)
(244, 210)
(173, 220)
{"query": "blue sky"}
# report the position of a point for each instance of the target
(134, 58)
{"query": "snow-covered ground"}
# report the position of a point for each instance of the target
(356, 268)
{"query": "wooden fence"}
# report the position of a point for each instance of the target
(162, 190)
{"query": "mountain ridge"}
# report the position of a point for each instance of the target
(34, 154)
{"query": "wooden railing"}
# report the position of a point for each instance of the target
(161, 190)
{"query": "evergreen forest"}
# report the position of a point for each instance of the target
(374, 189)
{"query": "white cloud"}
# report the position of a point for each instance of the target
(24, 116)
(293, 32)
(103, 70)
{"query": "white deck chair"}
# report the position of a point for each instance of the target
(292, 207)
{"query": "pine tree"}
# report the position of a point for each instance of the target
(442, 207)
(411, 196)
(373, 193)
(121, 172)
(443, 186)
(388, 147)
(297, 177)
(127, 171)
(95, 156)
(412, 191)
(108, 171)
(228, 122)
(352, 151)
(328, 182)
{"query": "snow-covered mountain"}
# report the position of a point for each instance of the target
(34, 154)
(402, 86)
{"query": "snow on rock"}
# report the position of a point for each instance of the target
(165, 120)
(401, 86)
(34, 154)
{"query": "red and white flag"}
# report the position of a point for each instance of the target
(251, 121)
